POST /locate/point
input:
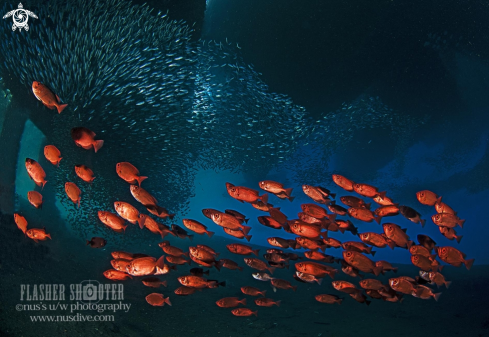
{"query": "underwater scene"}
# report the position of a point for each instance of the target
(244, 168)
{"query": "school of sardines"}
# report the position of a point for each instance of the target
(311, 228)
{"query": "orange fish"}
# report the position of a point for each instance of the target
(397, 235)
(237, 215)
(202, 255)
(447, 220)
(47, 97)
(37, 234)
(386, 266)
(73, 192)
(237, 233)
(129, 173)
(145, 266)
(441, 207)
(383, 211)
(368, 190)
(265, 207)
(274, 187)
(35, 198)
(318, 256)
(424, 263)
(303, 229)
(412, 215)
(362, 214)
(184, 291)
(282, 284)
(361, 262)
(252, 291)
(308, 243)
(84, 138)
(329, 299)
(52, 154)
(35, 172)
(116, 275)
(403, 284)
(266, 302)
(316, 211)
(244, 312)
(171, 250)
(229, 264)
(128, 212)
(315, 269)
(307, 278)
(357, 247)
(425, 293)
(383, 200)
(143, 196)
(371, 284)
(258, 264)
(229, 221)
(243, 194)
(196, 282)
(112, 221)
(153, 282)
(352, 201)
(373, 239)
(238, 248)
(230, 302)
(197, 227)
(84, 173)
(343, 182)
(428, 198)
(157, 300)
(21, 222)
(318, 194)
(345, 287)
(282, 243)
(450, 233)
(331, 242)
(277, 215)
(438, 278)
(453, 256)
(120, 264)
(151, 225)
(419, 250)
(177, 260)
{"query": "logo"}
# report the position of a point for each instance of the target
(20, 17)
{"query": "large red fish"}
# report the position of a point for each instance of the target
(35, 198)
(47, 97)
(243, 194)
(361, 262)
(112, 221)
(36, 172)
(52, 154)
(343, 182)
(84, 138)
(73, 192)
(129, 173)
(453, 256)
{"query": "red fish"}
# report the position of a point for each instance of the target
(282, 284)
(266, 302)
(315, 269)
(153, 282)
(447, 220)
(243, 194)
(361, 262)
(343, 182)
(258, 264)
(116, 275)
(398, 235)
(129, 173)
(230, 302)
(373, 239)
(453, 256)
(47, 97)
(21, 222)
(112, 221)
(428, 198)
(197, 227)
(244, 312)
(52, 154)
(329, 299)
(318, 193)
(274, 187)
(252, 291)
(36, 172)
(84, 138)
(73, 192)
(157, 300)
(450, 233)
(35, 198)
(128, 212)
(368, 190)
(84, 173)
(37, 234)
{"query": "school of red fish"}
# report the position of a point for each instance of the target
(311, 228)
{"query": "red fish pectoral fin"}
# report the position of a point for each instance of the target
(97, 145)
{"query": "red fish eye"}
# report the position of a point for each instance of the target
(348, 254)
(443, 250)
(422, 194)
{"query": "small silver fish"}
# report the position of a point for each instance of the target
(262, 276)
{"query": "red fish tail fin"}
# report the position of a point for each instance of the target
(391, 244)
(243, 301)
(378, 219)
(342, 230)
(438, 201)
(373, 252)
(248, 237)
(210, 234)
(174, 267)
(395, 270)
(61, 107)
(458, 238)
(218, 265)
(409, 244)
(130, 276)
(339, 300)
(440, 267)
(423, 222)
(469, 263)
(97, 145)
(323, 248)
(332, 217)
(332, 273)
(271, 269)
(447, 283)
(291, 199)
(264, 198)
(88, 242)
(319, 280)
(79, 199)
(377, 270)
(255, 313)
(255, 251)
(368, 302)
(167, 301)
(246, 229)
(294, 288)
(461, 223)
(43, 184)
(277, 303)
(171, 216)
(48, 236)
(57, 164)
(240, 268)
(190, 237)
(161, 262)
(263, 293)
(140, 179)
(288, 191)
(163, 283)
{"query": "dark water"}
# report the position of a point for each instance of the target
(392, 94)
